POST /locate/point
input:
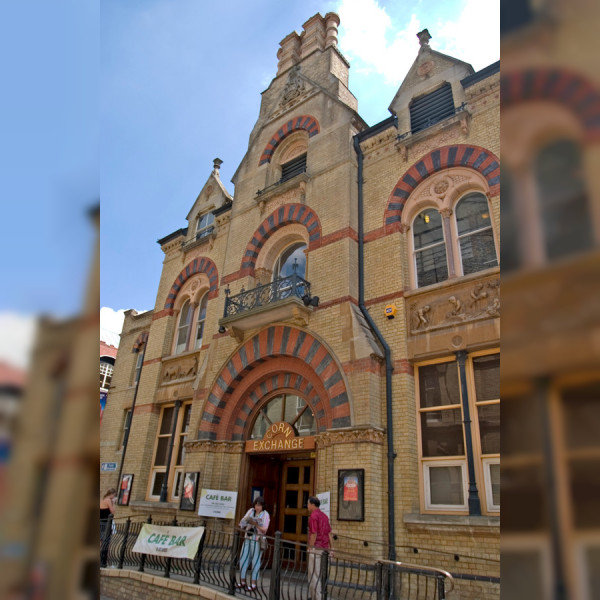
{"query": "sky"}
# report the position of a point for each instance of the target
(131, 100)
(49, 162)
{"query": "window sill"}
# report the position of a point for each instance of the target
(452, 282)
(277, 188)
(153, 505)
(447, 522)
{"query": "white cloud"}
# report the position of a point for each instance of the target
(111, 324)
(375, 44)
(16, 340)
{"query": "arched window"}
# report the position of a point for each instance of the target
(200, 321)
(562, 197)
(431, 265)
(445, 247)
(284, 265)
(475, 236)
(285, 407)
(183, 329)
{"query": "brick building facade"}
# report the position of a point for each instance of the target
(275, 305)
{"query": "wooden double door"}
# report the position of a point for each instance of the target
(286, 483)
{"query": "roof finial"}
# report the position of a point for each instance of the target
(424, 37)
(217, 162)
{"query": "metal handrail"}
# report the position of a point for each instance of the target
(405, 565)
(262, 295)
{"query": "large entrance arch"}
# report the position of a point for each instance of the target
(276, 357)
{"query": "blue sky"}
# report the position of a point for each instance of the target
(132, 100)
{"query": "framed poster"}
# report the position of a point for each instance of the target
(217, 503)
(351, 498)
(125, 490)
(189, 491)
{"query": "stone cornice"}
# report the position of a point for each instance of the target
(225, 446)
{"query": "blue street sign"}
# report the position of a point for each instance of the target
(108, 466)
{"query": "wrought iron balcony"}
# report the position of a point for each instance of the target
(270, 293)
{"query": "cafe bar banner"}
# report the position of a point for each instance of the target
(176, 542)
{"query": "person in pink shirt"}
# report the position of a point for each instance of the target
(319, 531)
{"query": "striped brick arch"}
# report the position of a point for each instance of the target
(285, 215)
(305, 122)
(459, 155)
(198, 265)
(278, 357)
(556, 85)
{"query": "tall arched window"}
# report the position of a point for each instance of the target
(562, 197)
(200, 321)
(431, 265)
(284, 265)
(183, 329)
(475, 236)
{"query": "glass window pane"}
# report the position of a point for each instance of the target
(307, 471)
(582, 416)
(158, 481)
(289, 524)
(472, 213)
(521, 572)
(427, 228)
(260, 428)
(161, 452)
(293, 405)
(489, 428)
(524, 499)
(446, 485)
(185, 318)
(431, 265)
(186, 417)
(274, 410)
(478, 252)
(293, 475)
(487, 377)
(284, 266)
(585, 491)
(521, 426)
(495, 483)
(291, 499)
(563, 199)
(167, 420)
(306, 424)
(510, 254)
(442, 433)
(438, 385)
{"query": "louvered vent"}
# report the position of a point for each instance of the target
(431, 108)
(293, 167)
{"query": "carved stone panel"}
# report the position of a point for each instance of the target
(450, 306)
(183, 368)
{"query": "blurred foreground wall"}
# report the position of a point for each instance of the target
(50, 519)
(550, 300)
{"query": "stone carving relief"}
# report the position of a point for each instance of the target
(294, 87)
(436, 310)
(173, 370)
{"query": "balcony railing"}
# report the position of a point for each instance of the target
(263, 295)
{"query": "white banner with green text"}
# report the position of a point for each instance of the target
(176, 542)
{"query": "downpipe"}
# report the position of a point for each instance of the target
(391, 455)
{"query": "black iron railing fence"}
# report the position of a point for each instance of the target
(283, 572)
(262, 295)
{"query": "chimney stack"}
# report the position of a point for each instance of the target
(318, 33)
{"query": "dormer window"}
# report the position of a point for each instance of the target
(205, 225)
(431, 108)
(293, 167)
